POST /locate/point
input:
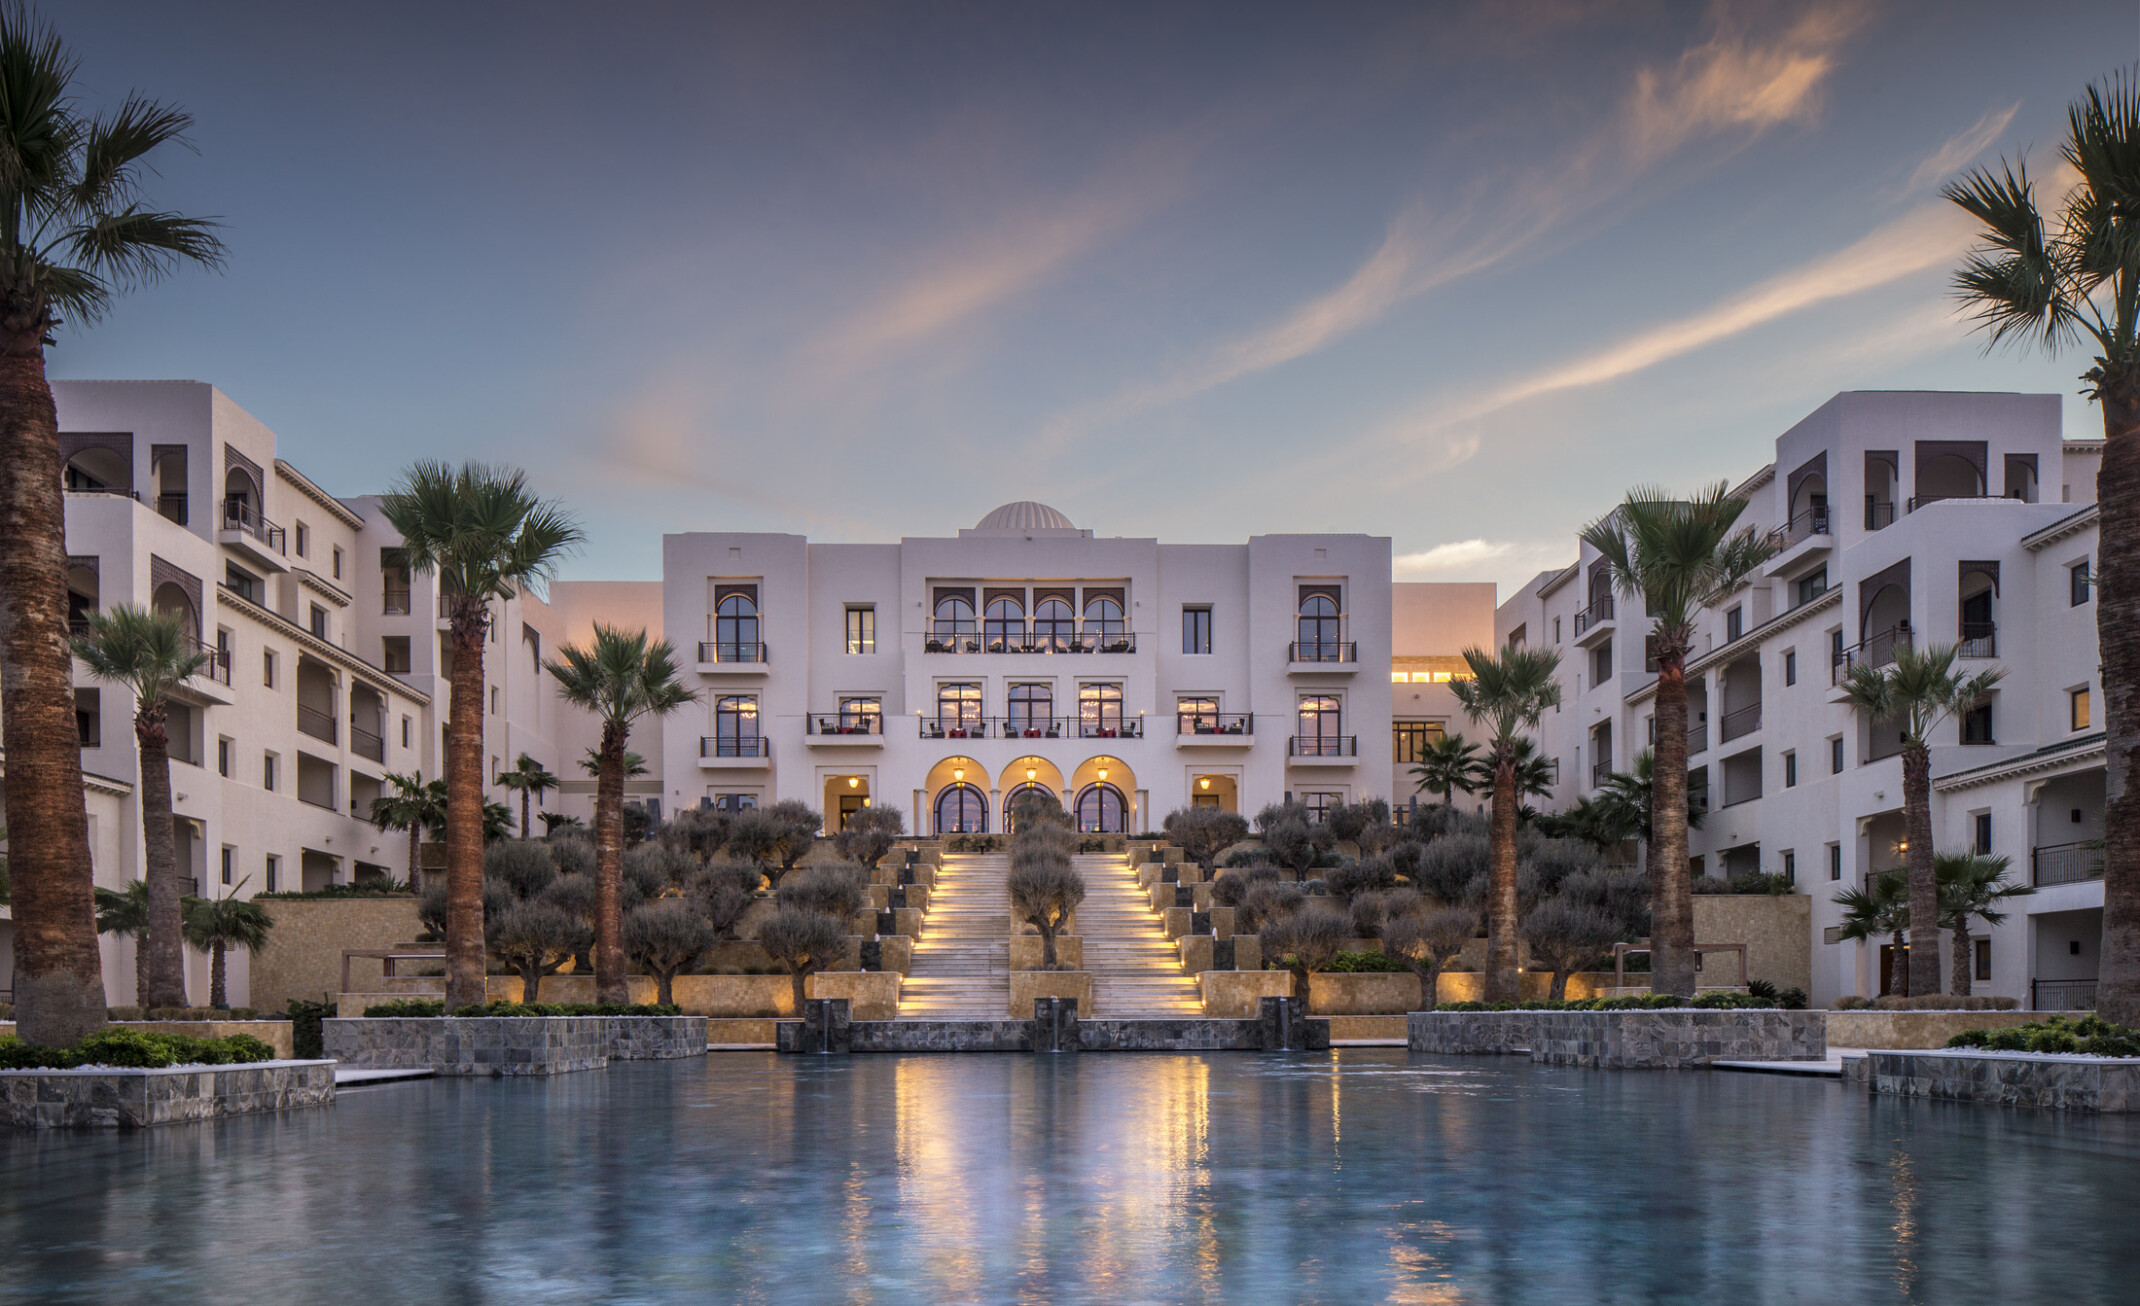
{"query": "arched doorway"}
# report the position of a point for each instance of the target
(1101, 810)
(961, 809)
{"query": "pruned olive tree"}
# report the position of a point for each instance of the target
(667, 937)
(803, 942)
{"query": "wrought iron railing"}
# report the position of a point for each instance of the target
(395, 602)
(1697, 738)
(1811, 522)
(1323, 650)
(1323, 746)
(217, 667)
(1873, 651)
(1980, 639)
(734, 746)
(366, 743)
(731, 650)
(2062, 995)
(1878, 515)
(1739, 721)
(2065, 863)
(1215, 723)
(1598, 613)
(172, 507)
(315, 722)
(240, 515)
(1025, 637)
(844, 723)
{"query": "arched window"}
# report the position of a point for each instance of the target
(1321, 726)
(1103, 626)
(954, 627)
(1053, 629)
(1099, 711)
(960, 809)
(735, 726)
(735, 629)
(958, 709)
(1026, 789)
(1032, 710)
(1100, 810)
(1318, 630)
(1004, 629)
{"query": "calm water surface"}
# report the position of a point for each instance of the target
(1359, 1176)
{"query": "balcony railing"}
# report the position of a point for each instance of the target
(2062, 995)
(1323, 746)
(1878, 515)
(844, 723)
(240, 515)
(365, 743)
(952, 727)
(1600, 772)
(1030, 727)
(217, 667)
(1873, 651)
(1025, 637)
(1811, 522)
(734, 746)
(1597, 613)
(2065, 863)
(114, 491)
(1924, 499)
(1980, 639)
(1215, 723)
(172, 507)
(731, 650)
(316, 723)
(1323, 650)
(1697, 737)
(1739, 721)
(395, 603)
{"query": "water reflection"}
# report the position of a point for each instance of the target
(1357, 1176)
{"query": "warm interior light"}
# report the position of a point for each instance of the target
(1032, 773)
(854, 782)
(1103, 773)
(1204, 782)
(958, 773)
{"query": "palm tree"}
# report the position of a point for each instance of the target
(150, 654)
(1508, 692)
(1971, 887)
(414, 806)
(125, 912)
(591, 763)
(74, 234)
(1882, 907)
(1448, 764)
(1625, 797)
(2052, 289)
(1914, 694)
(486, 537)
(620, 677)
(1674, 556)
(531, 780)
(216, 925)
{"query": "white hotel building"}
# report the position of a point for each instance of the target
(1903, 518)
(1126, 676)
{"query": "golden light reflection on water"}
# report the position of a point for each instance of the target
(940, 1142)
(1903, 1178)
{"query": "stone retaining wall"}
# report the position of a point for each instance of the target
(1914, 1029)
(511, 1045)
(1672, 1040)
(2031, 1079)
(96, 1097)
(1469, 1033)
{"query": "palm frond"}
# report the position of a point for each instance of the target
(135, 247)
(115, 148)
(143, 649)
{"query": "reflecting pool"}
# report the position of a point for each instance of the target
(1363, 1175)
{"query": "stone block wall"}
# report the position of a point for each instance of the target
(1670, 1040)
(511, 1045)
(103, 1098)
(2027, 1079)
(1469, 1033)
(303, 958)
(1777, 929)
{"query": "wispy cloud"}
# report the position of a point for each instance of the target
(1961, 150)
(1480, 558)
(1734, 80)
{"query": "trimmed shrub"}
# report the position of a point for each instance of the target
(124, 1048)
(1265, 901)
(574, 853)
(698, 831)
(525, 866)
(403, 1008)
(535, 938)
(652, 869)
(1366, 963)
(1231, 888)
(869, 835)
(1305, 941)
(836, 891)
(1367, 875)
(2090, 1035)
(305, 1018)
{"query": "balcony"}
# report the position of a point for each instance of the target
(1323, 655)
(365, 743)
(217, 667)
(1878, 515)
(316, 723)
(844, 729)
(953, 727)
(1595, 620)
(734, 751)
(1697, 738)
(1737, 722)
(2065, 863)
(731, 656)
(1810, 524)
(1600, 772)
(1025, 637)
(1030, 727)
(396, 603)
(1332, 750)
(1980, 639)
(1213, 729)
(172, 507)
(252, 535)
(1874, 651)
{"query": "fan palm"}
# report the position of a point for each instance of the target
(1882, 907)
(619, 678)
(2051, 281)
(125, 912)
(1914, 694)
(591, 763)
(530, 780)
(216, 925)
(1971, 887)
(1675, 556)
(415, 806)
(1625, 798)
(1448, 764)
(75, 233)
(486, 537)
(1508, 693)
(150, 654)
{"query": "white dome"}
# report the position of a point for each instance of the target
(1025, 515)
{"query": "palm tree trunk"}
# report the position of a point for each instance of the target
(162, 952)
(523, 814)
(59, 980)
(1959, 985)
(1502, 982)
(464, 810)
(1671, 895)
(1924, 885)
(1898, 967)
(2117, 617)
(218, 996)
(609, 982)
(416, 839)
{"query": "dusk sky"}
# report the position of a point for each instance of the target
(1459, 275)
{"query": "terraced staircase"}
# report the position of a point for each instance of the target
(961, 964)
(1135, 971)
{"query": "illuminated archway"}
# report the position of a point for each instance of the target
(961, 808)
(1101, 809)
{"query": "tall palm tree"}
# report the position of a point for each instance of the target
(1674, 556)
(2052, 284)
(620, 677)
(1508, 693)
(75, 233)
(414, 806)
(530, 780)
(1914, 694)
(1971, 887)
(125, 912)
(634, 765)
(216, 925)
(1448, 764)
(1882, 907)
(486, 537)
(1626, 795)
(150, 654)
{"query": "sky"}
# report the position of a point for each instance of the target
(1456, 274)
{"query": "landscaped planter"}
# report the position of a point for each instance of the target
(1914, 1029)
(1025, 952)
(1018, 927)
(1534, 985)
(510, 1045)
(1195, 950)
(1469, 1033)
(2052, 1081)
(1175, 922)
(275, 1033)
(735, 996)
(870, 994)
(1027, 985)
(1363, 995)
(104, 1097)
(1239, 994)
(1676, 1038)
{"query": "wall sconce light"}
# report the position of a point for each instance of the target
(1204, 782)
(1032, 773)
(1103, 773)
(854, 782)
(958, 773)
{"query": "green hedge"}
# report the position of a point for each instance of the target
(418, 1007)
(305, 1020)
(2091, 1035)
(1366, 963)
(135, 1049)
(1722, 1000)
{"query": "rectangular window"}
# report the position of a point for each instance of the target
(404, 732)
(1099, 711)
(1556, 630)
(1835, 755)
(1601, 663)
(861, 630)
(267, 667)
(2077, 585)
(734, 802)
(2077, 709)
(394, 654)
(244, 584)
(1983, 834)
(1835, 861)
(958, 710)
(861, 716)
(494, 700)
(230, 859)
(1412, 739)
(223, 749)
(318, 622)
(1196, 630)
(1790, 770)
(1790, 867)
(274, 872)
(1810, 586)
(304, 540)
(1981, 949)
(1790, 666)
(267, 772)
(1734, 624)
(338, 562)
(1976, 725)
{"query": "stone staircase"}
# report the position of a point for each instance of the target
(1135, 971)
(961, 965)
